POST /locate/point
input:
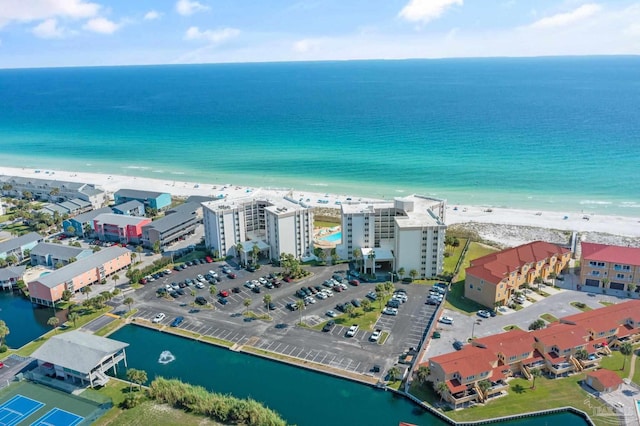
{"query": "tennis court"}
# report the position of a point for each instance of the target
(58, 417)
(17, 409)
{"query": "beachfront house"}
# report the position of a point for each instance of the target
(129, 208)
(406, 233)
(573, 344)
(169, 229)
(493, 279)
(119, 228)
(47, 289)
(82, 224)
(77, 358)
(605, 267)
(20, 246)
(275, 225)
(71, 207)
(157, 201)
(53, 255)
(54, 191)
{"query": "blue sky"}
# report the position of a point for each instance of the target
(44, 33)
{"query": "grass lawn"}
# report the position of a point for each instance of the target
(614, 362)
(110, 328)
(581, 306)
(451, 261)
(548, 318)
(475, 251)
(365, 320)
(511, 327)
(196, 254)
(602, 302)
(636, 372)
(424, 392)
(549, 393)
(325, 223)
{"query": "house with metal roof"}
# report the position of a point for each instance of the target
(83, 222)
(54, 191)
(17, 246)
(10, 276)
(49, 254)
(154, 200)
(119, 228)
(79, 358)
(169, 229)
(129, 208)
(47, 289)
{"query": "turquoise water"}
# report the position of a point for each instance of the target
(25, 323)
(542, 133)
(333, 238)
(302, 397)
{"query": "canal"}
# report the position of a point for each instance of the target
(25, 323)
(301, 396)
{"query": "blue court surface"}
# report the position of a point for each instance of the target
(58, 417)
(17, 409)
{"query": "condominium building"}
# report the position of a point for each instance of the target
(47, 289)
(573, 344)
(169, 229)
(119, 228)
(606, 267)
(54, 191)
(406, 233)
(154, 200)
(275, 225)
(49, 254)
(491, 280)
(20, 246)
(82, 225)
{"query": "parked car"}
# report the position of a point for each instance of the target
(158, 318)
(484, 314)
(208, 259)
(143, 281)
(375, 335)
(372, 295)
(222, 300)
(176, 322)
(232, 275)
(353, 330)
(457, 345)
(390, 311)
(356, 303)
(329, 326)
(446, 320)
(393, 303)
(287, 279)
(236, 290)
(256, 289)
(354, 282)
(292, 306)
(201, 300)
(331, 314)
(224, 293)
(271, 306)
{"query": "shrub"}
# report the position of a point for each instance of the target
(131, 400)
(3, 349)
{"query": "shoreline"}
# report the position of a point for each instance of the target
(456, 214)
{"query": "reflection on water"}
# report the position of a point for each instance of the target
(25, 323)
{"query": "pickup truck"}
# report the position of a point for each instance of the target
(375, 335)
(352, 330)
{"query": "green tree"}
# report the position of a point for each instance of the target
(115, 277)
(96, 249)
(87, 230)
(372, 261)
(535, 374)
(484, 385)
(401, 272)
(136, 376)
(156, 247)
(349, 309)
(366, 305)
(239, 249)
(3, 263)
(53, 322)
(537, 325)
(86, 290)
(266, 299)
(247, 303)
(4, 331)
(300, 306)
(320, 254)
(605, 282)
(380, 292)
(631, 287)
(128, 301)
(413, 274)
(394, 374)
(582, 354)
(442, 389)
(552, 276)
(422, 374)
(71, 230)
(626, 349)
(255, 251)
(11, 259)
(59, 265)
(73, 317)
(357, 253)
(66, 295)
(538, 281)
(139, 250)
(27, 195)
(213, 290)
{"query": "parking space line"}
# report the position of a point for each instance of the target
(284, 350)
(301, 350)
(323, 358)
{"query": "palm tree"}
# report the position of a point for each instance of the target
(86, 290)
(442, 389)
(626, 349)
(300, 306)
(255, 251)
(538, 280)
(266, 299)
(4, 331)
(552, 276)
(139, 250)
(128, 301)
(394, 374)
(239, 248)
(379, 290)
(87, 230)
(141, 378)
(484, 385)
(413, 274)
(372, 259)
(535, 374)
(631, 287)
(422, 373)
(53, 322)
(134, 376)
(247, 303)
(401, 272)
(115, 277)
(73, 317)
(605, 282)
(581, 354)
(366, 305)
(357, 253)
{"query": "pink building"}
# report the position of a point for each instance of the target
(120, 228)
(47, 289)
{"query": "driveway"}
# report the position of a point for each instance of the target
(622, 403)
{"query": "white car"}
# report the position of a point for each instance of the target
(249, 284)
(199, 285)
(329, 293)
(352, 330)
(158, 318)
(331, 314)
(484, 314)
(310, 300)
(262, 281)
(168, 271)
(446, 320)
(321, 295)
(390, 311)
(375, 335)
(200, 277)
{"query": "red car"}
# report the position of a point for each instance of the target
(143, 281)
(208, 259)
(231, 275)
(224, 293)
(1, 364)
(287, 279)
(354, 282)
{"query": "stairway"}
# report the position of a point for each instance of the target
(577, 364)
(525, 371)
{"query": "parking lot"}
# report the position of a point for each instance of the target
(281, 335)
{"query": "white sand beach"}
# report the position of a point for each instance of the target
(628, 227)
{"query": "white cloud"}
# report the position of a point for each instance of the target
(152, 15)
(101, 25)
(211, 36)
(425, 11)
(48, 29)
(188, 7)
(306, 45)
(35, 10)
(568, 18)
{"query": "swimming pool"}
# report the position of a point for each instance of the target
(333, 238)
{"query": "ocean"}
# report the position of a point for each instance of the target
(558, 134)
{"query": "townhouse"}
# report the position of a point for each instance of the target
(491, 280)
(50, 255)
(119, 228)
(129, 208)
(82, 224)
(572, 344)
(158, 201)
(20, 246)
(48, 289)
(169, 229)
(604, 267)
(54, 191)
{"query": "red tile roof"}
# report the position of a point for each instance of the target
(470, 361)
(608, 378)
(563, 336)
(537, 356)
(612, 254)
(607, 318)
(497, 266)
(512, 343)
(455, 386)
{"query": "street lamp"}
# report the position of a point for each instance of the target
(473, 327)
